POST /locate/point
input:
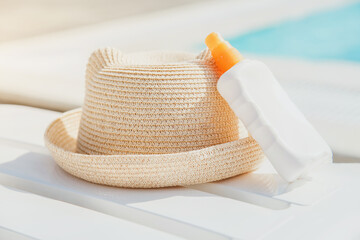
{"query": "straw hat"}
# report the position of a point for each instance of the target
(152, 120)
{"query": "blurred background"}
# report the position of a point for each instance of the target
(312, 46)
(21, 18)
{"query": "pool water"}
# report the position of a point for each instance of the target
(328, 35)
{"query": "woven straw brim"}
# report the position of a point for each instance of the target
(149, 171)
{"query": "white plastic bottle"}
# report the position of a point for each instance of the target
(288, 140)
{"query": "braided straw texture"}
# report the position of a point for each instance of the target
(152, 120)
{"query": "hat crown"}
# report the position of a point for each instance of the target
(153, 103)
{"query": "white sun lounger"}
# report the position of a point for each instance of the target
(41, 201)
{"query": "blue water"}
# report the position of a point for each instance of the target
(329, 35)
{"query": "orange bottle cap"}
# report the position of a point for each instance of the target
(224, 54)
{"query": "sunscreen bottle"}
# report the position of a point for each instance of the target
(288, 140)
